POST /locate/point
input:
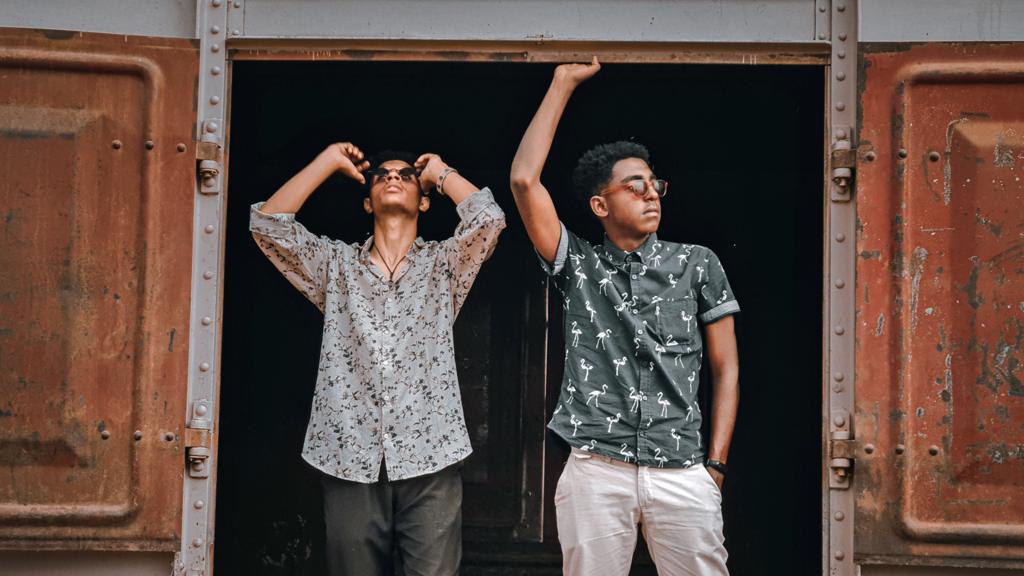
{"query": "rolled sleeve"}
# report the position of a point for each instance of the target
(716, 296)
(561, 253)
(482, 221)
(298, 254)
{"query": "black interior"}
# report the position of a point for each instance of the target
(742, 149)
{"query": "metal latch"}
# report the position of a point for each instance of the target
(841, 450)
(842, 165)
(197, 440)
(208, 155)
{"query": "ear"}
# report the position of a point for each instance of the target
(599, 206)
(367, 206)
(424, 203)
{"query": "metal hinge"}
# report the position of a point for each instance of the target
(208, 156)
(842, 166)
(197, 440)
(841, 451)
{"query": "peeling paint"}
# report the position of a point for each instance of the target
(880, 325)
(917, 268)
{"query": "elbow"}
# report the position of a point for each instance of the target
(521, 183)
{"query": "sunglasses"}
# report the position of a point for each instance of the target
(379, 174)
(640, 187)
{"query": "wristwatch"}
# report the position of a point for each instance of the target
(717, 465)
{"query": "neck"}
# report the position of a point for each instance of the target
(626, 241)
(393, 234)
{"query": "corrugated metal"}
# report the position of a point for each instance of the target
(172, 18)
(940, 282)
(941, 20)
(97, 217)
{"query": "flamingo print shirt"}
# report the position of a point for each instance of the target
(633, 346)
(387, 389)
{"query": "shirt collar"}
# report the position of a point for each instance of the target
(364, 249)
(619, 256)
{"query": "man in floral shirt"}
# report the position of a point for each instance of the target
(387, 427)
(635, 306)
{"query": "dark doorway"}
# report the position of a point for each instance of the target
(742, 148)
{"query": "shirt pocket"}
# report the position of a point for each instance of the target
(677, 326)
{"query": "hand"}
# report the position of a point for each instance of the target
(717, 476)
(429, 166)
(575, 74)
(348, 159)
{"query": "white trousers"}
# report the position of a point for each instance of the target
(600, 501)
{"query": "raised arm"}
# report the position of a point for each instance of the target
(342, 156)
(532, 198)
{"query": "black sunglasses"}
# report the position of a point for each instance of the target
(406, 174)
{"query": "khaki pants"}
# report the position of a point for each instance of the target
(600, 501)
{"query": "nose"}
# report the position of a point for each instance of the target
(392, 174)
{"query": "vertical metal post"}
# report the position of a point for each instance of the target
(216, 20)
(841, 299)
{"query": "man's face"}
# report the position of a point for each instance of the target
(620, 209)
(397, 189)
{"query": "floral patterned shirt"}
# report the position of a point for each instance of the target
(633, 346)
(387, 388)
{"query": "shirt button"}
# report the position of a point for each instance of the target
(635, 311)
(634, 276)
(385, 398)
(639, 331)
(387, 436)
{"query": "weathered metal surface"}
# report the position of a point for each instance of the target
(172, 18)
(942, 20)
(940, 290)
(95, 200)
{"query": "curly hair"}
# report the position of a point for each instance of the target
(594, 168)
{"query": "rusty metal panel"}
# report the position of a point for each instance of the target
(96, 184)
(940, 288)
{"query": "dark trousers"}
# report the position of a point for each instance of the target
(422, 516)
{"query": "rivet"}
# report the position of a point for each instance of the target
(215, 70)
(238, 3)
(837, 388)
(214, 100)
(105, 434)
(902, 153)
(839, 421)
(212, 127)
(900, 448)
(204, 367)
(209, 229)
(149, 144)
(869, 448)
(215, 30)
(839, 330)
(209, 182)
(870, 156)
(840, 76)
(841, 7)
(197, 542)
(822, 8)
(841, 54)
(839, 555)
(821, 35)
(840, 106)
(933, 450)
(216, 3)
(933, 156)
(201, 410)
(840, 134)
(169, 436)
(840, 237)
(199, 504)
(842, 35)
(838, 376)
(207, 274)
(235, 32)
(116, 144)
(840, 283)
(137, 435)
(214, 47)
(181, 147)
(206, 320)
(839, 516)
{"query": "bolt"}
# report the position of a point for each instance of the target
(116, 144)
(235, 32)
(902, 153)
(197, 542)
(209, 229)
(839, 555)
(870, 156)
(212, 127)
(841, 54)
(933, 156)
(199, 504)
(207, 274)
(238, 3)
(201, 410)
(821, 35)
(840, 283)
(840, 134)
(137, 435)
(840, 330)
(105, 434)
(169, 436)
(215, 70)
(837, 388)
(900, 448)
(216, 3)
(839, 516)
(181, 147)
(149, 144)
(840, 237)
(838, 376)
(841, 7)
(204, 367)
(207, 320)
(839, 421)
(933, 450)
(869, 448)
(840, 76)
(822, 8)
(214, 100)
(840, 106)
(214, 47)
(842, 35)
(215, 30)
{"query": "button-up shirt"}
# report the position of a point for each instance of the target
(387, 386)
(633, 346)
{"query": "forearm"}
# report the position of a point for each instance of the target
(290, 197)
(725, 402)
(458, 188)
(536, 143)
